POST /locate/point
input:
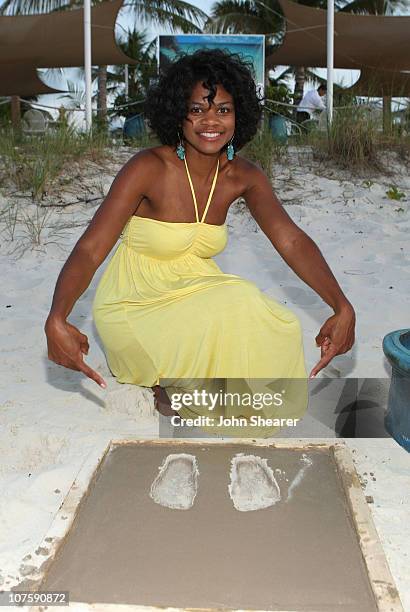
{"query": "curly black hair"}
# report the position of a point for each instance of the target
(167, 100)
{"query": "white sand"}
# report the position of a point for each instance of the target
(51, 418)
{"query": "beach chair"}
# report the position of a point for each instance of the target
(34, 122)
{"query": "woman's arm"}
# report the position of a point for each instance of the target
(66, 344)
(304, 257)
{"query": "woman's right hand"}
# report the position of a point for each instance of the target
(66, 347)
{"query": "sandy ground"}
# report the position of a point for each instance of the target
(51, 418)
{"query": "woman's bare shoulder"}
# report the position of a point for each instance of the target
(149, 160)
(248, 174)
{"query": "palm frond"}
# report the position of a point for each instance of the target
(235, 23)
(173, 21)
(75, 94)
(372, 7)
(53, 75)
(248, 16)
(33, 7)
(224, 7)
(167, 12)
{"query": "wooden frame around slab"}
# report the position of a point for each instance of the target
(381, 580)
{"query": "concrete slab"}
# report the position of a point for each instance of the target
(315, 549)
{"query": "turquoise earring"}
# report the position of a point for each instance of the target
(230, 151)
(180, 149)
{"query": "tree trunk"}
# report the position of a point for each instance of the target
(102, 94)
(15, 112)
(299, 84)
(387, 120)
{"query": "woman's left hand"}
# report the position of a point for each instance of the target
(336, 336)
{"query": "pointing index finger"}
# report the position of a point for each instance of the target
(83, 367)
(323, 362)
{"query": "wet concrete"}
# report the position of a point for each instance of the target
(300, 554)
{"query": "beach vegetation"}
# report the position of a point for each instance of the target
(9, 218)
(394, 193)
(144, 140)
(32, 163)
(33, 224)
(32, 167)
(264, 150)
(352, 137)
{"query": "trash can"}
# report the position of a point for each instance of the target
(134, 127)
(396, 347)
(278, 128)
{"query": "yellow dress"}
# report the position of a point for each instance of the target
(165, 311)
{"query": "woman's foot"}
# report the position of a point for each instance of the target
(162, 402)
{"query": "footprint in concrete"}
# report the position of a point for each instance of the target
(253, 485)
(177, 482)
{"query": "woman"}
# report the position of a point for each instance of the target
(163, 308)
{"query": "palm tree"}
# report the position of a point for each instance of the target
(139, 75)
(175, 14)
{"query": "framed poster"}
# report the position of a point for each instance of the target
(248, 46)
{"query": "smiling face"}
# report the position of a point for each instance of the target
(208, 127)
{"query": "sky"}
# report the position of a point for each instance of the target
(341, 77)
